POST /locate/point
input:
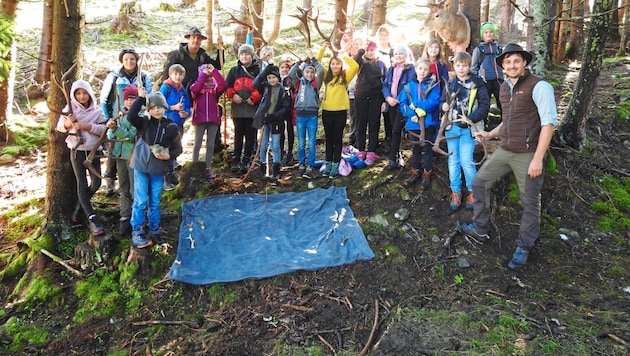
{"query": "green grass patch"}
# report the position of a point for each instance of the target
(27, 136)
(616, 210)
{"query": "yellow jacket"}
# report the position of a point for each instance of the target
(335, 96)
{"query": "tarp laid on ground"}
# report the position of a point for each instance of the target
(233, 237)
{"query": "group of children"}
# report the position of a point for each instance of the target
(274, 99)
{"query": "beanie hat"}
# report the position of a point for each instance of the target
(487, 26)
(246, 48)
(401, 48)
(272, 69)
(128, 50)
(371, 45)
(156, 99)
(130, 91)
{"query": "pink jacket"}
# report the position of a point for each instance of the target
(205, 98)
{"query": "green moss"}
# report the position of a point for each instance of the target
(393, 255)
(28, 136)
(24, 334)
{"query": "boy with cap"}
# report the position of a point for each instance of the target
(162, 135)
(524, 137)
(122, 129)
(483, 61)
(270, 116)
(245, 99)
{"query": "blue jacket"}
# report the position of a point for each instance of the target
(173, 97)
(483, 61)
(427, 99)
(306, 102)
(480, 103)
(408, 74)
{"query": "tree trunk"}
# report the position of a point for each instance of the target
(42, 74)
(209, 24)
(256, 13)
(562, 29)
(61, 195)
(472, 10)
(276, 23)
(485, 10)
(341, 20)
(542, 34)
(8, 13)
(379, 15)
(240, 33)
(624, 31)
(506, 17)
(577, 30)
(572, 128)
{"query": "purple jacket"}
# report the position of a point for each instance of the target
(206, 98)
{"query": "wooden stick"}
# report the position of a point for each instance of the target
(327, 344)
(298, 307)
(165, 322)
(61, 262)
(371, 338)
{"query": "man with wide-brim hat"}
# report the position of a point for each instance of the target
(529, 119)
(190, 55)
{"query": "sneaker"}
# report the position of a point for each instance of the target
(469, 231)
(168, 186)
(177, 166)
(235, 167)
(209, 176)
(334, 170)
(96, 228)
(426, 180)
(327, 167)
(469, 201)
(124, 227)
(301, 170)
(308, 173)
(391, 165)
(140, 241)
(455, 201)
(361, 155)
(288, 159)
(519, 258)
(370, 158)
(413, 179)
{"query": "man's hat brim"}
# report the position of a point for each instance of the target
(512, 48)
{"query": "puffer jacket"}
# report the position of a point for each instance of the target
(425, 96)
(240, 80)
(205, 98)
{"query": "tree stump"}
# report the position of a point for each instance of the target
(142, 256)
(192, 178)
(93, 253)
(103, 245)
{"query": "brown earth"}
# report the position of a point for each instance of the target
(341, 310)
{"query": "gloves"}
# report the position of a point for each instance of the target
(420, 113)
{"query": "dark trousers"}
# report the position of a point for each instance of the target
(397, 123)
(422, 156)
(85, 191)
(290, 135)
(334, 122)
(368, 110)
(243, 131)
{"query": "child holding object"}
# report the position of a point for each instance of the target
(205, 92)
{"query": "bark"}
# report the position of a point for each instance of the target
(506, 16)
(562, 29)
(624, 30)
(341, 21)
(241, 31)
(42, 74)
(256, 14)
(542, 34)
(576, 38)
(572, 128)
(379, 15)
(7, 72)
(485, 10)
(61, 196)
(472, 10)
(209, 22)
(276, 23)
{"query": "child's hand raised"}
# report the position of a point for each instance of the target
(142, 91)
(209, 69)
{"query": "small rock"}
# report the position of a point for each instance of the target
(402, 214)
(627, 289)
(463, 263)
(7, 158)
(571, 233)
(626, 144)
(311, 185)
(380, 220)
(461, 251)
(436, 238)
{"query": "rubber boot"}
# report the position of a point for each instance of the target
(263, 172)
(276, 172)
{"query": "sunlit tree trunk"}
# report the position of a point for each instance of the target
(341, 20)
(485, 10)
(472, 10)
(379, 14)
(562, 29)
(542, 39)
(506, 16)
(210, 24)
(61, 195)
(572, 129)
(241, 31)
(42, 74)
(257, 18)
(276, 23)
(7, 14)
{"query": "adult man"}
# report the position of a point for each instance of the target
(190, 55)
(529, 117)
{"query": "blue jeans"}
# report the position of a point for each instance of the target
(275, 145)
(146, 196)
(306, 124)
(461, 147)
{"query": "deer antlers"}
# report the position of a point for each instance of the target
(62, 84)
(303, 17)
(242, 23)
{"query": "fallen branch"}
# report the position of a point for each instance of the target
(61, 262)
(615, 338)
(371, 338)
(327, 344)
(191, 324)
(298, 308)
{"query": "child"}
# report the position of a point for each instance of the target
(419, 100)
(285, 80)
(483, 61)
(369, 101)
(205, 92)
(398, 75)
(472, 101)
(306, 104)
(245, 100)
(439, 66)
(270, 115)
(122, 129)
(84, 125)
(178, 110)
(335, 105)
(155, 129)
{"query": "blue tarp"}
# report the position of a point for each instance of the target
(233, 237)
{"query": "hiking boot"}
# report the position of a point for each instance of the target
(301, 170)
(138, 240)
(469, 231)
(168, 186)
(308, 173)
(519, 258)
(124, 227)
(334, 170)
(276, 172)
(177, 166)
(327, 168)
(391, 165)
(110, 189)
(236, 166)
(413, 179)
(263, 172)
(156, 237)
(469, 201)
(288, 159)
(455, 201)
(426, 180)
(371, 158)
(244, 166)
(96, 228)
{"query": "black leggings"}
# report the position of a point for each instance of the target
(423, 154)
(398, 122)
(85, 191)
(334, 124)
(290, 135)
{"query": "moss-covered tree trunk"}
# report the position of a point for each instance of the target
(572, 129)
(7, 71)
(61, 195)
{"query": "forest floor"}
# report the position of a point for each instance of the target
(416, 297)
